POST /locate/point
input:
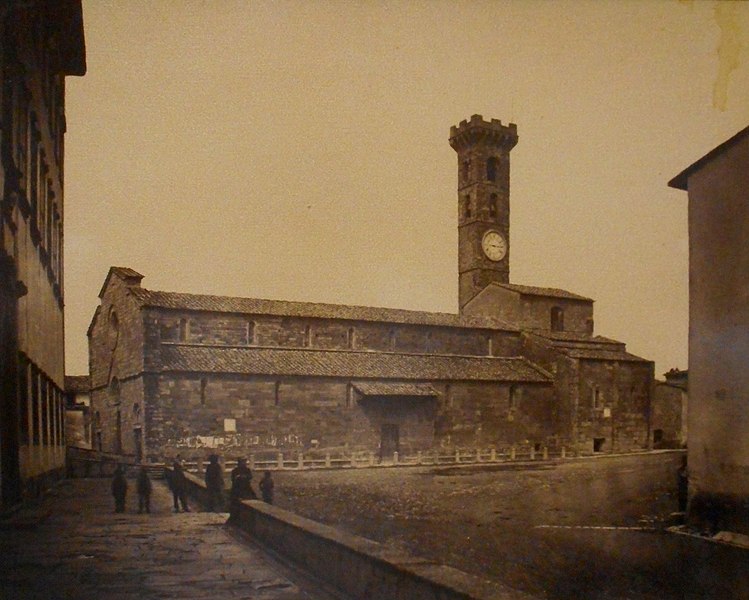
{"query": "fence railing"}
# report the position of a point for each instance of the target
(97, 464)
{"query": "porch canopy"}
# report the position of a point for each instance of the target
(401, 390)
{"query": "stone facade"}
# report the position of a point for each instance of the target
(718, 191)
(519, 365)
(40, 44)
(168, 377)
(670, 409)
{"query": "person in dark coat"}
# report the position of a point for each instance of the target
(241, 486)
(214, 483)
(143, 486)
(682, 482)
(119, 490)
(266, 487)
(178, 485)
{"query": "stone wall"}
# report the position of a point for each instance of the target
(531, 311)
(198, 414)
(328, 334)
(669, 416)
(614, 405)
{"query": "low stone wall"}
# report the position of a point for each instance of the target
(358, 567)
(196, 489)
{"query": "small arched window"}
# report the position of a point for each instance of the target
(467, 207)
(114, 390)
(491, 168)
(465, 170)
(557, 318)
(250, 333)
(351, 338)
(203, 385)
(136, 411)
(184, 330)
(493, 206)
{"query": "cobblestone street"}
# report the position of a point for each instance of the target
(577, 530)
(74, 546)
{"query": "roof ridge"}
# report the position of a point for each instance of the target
(456, 318)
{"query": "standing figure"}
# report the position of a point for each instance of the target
(143, 486)
(241, 481)
(214, 483)
(682, 482)
(266, 487)
(178, 485)
(119, 489)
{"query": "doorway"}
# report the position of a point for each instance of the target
(389, 440)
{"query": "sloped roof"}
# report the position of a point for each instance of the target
(395, 389)
(347, 364)
(682, 179)
(530, 290)
(571, 336)
(127, 274)
(603, 354)
(257, 306)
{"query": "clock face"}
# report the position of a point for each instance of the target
(494, 245)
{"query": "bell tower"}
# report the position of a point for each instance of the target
(483, 202)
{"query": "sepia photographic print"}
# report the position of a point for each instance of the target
(374, 300)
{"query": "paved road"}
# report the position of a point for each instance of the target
(74, 546)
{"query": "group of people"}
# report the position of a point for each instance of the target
(241, 486)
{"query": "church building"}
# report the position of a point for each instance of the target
(517, 366)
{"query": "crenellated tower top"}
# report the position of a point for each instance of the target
(490, 133)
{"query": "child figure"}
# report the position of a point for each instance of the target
(143, 486)
(266, 487)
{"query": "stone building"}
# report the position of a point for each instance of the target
(40, 44)
(78, 426)
(718, 193)
(670, 409)
(518, 365)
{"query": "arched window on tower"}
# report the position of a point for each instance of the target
(493, 206)
(557, 318)
(465, 170)
(467, 207)
(491, 168)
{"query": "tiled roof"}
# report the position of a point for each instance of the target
(348, 364)
(256, 306)
(570, 336)
(395, 389)
(130, 276)
(603, 354)
(529, 290)
(76, 384)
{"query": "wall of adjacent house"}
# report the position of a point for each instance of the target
(719, 335)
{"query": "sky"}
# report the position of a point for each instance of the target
(299, 150)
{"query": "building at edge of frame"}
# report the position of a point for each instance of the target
(41, 43)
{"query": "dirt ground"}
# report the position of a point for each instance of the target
(543, 529)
